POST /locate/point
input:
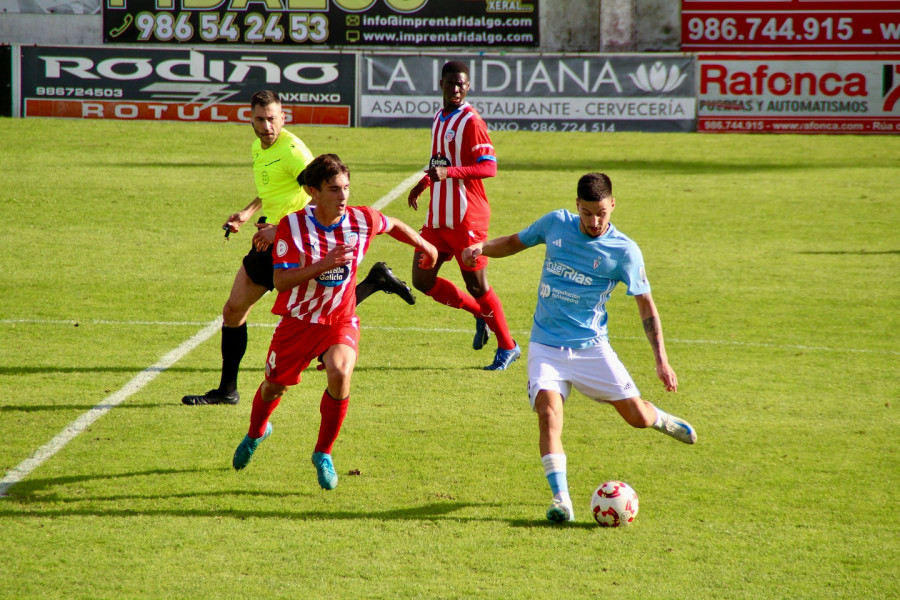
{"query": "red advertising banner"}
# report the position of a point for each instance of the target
(767, 93)
(808, 25)
(227, 112)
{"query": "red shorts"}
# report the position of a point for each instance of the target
(296, 343)
(451, 242)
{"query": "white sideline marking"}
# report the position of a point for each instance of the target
(395, 193)
(46, 451)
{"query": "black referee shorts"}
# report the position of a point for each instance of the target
(259, 265)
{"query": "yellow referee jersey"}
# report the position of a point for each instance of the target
(275, 171)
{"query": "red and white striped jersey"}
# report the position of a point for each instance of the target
(459, 139)
(301, 240)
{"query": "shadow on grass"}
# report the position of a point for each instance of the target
(437, 511)
(850, 252)
(359, 369)
(79, 407)
(100, 369)
(33, 485)
(26, 504)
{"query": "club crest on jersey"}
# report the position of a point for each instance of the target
(334, 277)
(439, 160)
(449, 135)
(281, 248)
(597, 261)
(351, 239)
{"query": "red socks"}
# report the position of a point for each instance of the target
(260, 413)
(445, 292)
(491, 310)
(488, 307)
(333, 413)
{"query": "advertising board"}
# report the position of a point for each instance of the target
(798, 94)
(482, 23)
(6, 78)
(599, 93)
(792, 25)
(170, 84)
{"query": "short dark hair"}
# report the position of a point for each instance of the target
(454, 66)
(323, 169)
(594, 187)
(264, 98)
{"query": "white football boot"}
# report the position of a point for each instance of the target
(560, 512)
(679, 429)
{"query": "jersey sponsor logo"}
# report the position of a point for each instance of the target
(561, 295)
(439, 160)
(264, 177)
(334, 277)
(563, 270)
(281, 248)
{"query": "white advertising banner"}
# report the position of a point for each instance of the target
(588, 92)
(820, 93)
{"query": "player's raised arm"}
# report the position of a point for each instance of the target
(653, 329)
(234, 221)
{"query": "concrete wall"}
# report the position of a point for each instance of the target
(640, 25)
(566, 26)
(570, 25)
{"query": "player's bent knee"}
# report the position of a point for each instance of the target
(234, 316)
(423, 284)
(272, 391)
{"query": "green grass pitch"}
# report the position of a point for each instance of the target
(775, 263)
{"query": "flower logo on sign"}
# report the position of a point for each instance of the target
(657, 80)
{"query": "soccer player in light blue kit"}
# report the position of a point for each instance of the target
(585, 258)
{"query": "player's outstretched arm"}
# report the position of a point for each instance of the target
(402, 232)
(653, 330)
(495, 248)
(481, 170)
(234, 221)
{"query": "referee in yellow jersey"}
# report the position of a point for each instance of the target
(278, 159)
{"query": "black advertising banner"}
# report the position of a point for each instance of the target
(598, 92)
(170, 84)
(403, 23)
(6, 81)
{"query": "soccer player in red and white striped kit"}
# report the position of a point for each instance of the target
(316, 253)
(459, 214)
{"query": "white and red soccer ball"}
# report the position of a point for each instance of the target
(614, 504)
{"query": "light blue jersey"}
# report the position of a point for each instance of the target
(579, 274)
